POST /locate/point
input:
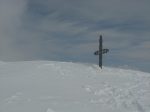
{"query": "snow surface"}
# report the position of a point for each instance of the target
(46, 86)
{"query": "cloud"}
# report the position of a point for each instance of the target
(69, 30)
(10, 22)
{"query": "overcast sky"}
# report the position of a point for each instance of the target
(68, 30)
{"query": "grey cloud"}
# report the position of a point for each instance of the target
(63, 29)
(10, 22)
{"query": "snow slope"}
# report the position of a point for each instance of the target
(46, 86)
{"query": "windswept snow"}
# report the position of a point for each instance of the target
(46, 86)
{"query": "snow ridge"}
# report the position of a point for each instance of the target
(49, 86)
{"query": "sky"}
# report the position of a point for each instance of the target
(68, 30)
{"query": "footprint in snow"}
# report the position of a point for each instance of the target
(50, 110)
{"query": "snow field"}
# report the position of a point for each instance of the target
(48, 86)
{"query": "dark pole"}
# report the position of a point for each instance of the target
(100, 51)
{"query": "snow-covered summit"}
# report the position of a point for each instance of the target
(46, 86)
